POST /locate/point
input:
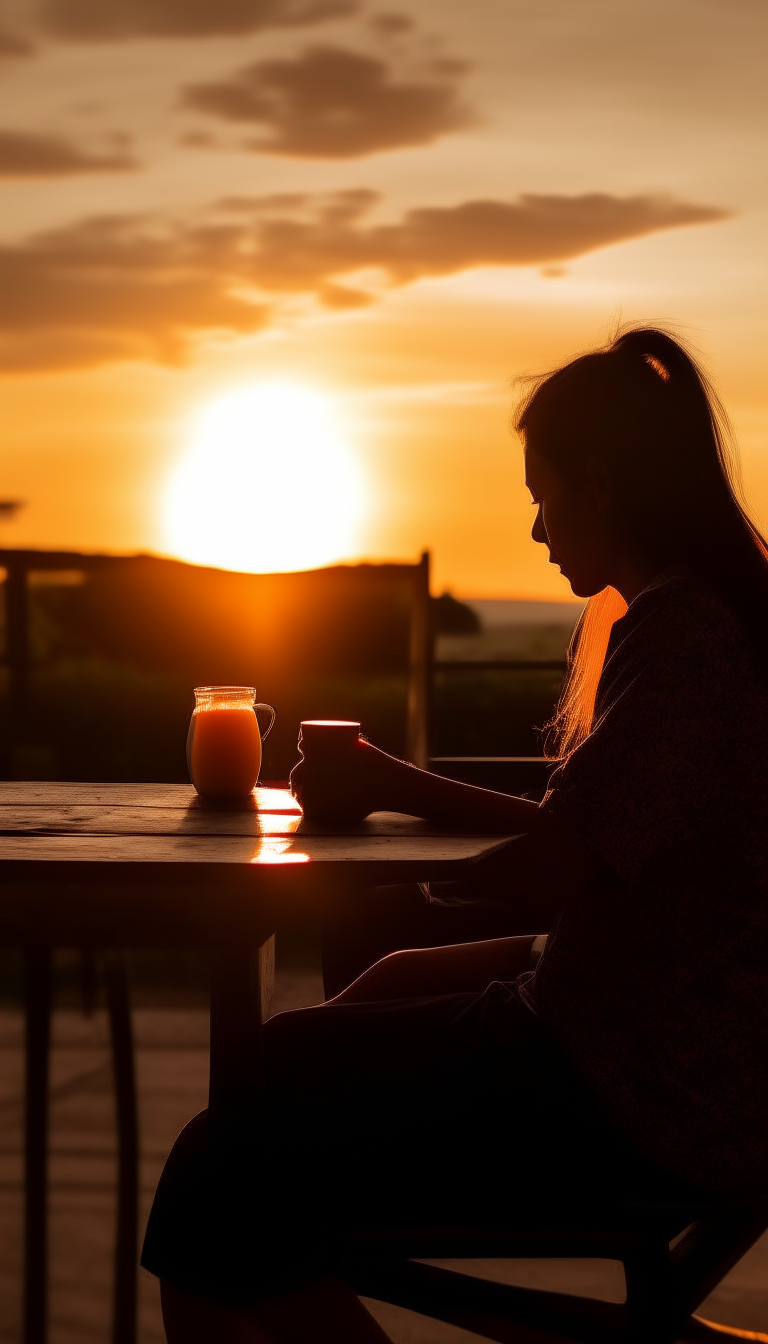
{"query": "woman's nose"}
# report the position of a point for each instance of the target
(538, 531)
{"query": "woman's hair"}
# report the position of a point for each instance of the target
(645, 409)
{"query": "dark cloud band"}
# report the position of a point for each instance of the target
(113, 20)
(333, 103)
(138, 287)
(13, 45)
(24, 154)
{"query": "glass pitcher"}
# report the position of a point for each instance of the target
(224, 741)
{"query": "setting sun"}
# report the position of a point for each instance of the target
(266, 484)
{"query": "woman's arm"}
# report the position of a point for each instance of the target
(383, 783)
(545, 862)
(457, 969)
(449, 801)
(538, 871)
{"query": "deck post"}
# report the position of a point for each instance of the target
(17, 638)
(419, 668)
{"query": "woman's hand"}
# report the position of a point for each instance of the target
(345, 786)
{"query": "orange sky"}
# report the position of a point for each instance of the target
(397, 211)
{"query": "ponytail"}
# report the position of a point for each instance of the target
(649, 411)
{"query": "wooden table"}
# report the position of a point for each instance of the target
(149, 865)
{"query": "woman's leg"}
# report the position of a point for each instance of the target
(379, 1114)
(460, 969)
(327, 1312)
(344, 1092)
(189, 1319)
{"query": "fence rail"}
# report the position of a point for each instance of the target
(19, 564)
(422, 666)
(500, 665)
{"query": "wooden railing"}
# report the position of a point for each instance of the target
(19, 564)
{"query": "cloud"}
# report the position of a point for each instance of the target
(391, 24)
(111, 20)
(138, 287)
(300, 243)
(121, 288)
(534, 230)
(24, 154)
(333, 103)
(12, 45)
(198, 140)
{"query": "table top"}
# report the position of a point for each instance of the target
(68, 823)
(137, 861)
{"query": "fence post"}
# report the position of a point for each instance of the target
(419, 668)
(17, 637)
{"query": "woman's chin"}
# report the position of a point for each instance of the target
(584, 590)
(579, 589)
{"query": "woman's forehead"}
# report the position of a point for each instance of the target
(536, 466)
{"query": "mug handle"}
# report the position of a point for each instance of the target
(273, 712)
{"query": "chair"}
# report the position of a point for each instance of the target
(673, 1256)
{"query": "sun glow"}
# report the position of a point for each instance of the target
(266, 484)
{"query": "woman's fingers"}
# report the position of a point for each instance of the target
(328, 791)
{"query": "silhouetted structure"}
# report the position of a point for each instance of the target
(102, 661)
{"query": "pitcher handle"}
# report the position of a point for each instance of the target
(273, 712)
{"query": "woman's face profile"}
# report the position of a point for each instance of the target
(572, 520)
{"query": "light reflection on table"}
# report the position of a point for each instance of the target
(272, 850)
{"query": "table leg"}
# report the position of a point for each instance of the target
(120, 1026)
(39, 999)
(241, 989)
(241, 980)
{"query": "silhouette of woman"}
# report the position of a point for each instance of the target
(452, 1083)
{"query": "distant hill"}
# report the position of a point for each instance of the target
(511, 630)
(494, 612)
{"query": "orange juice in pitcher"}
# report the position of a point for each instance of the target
(224, 741)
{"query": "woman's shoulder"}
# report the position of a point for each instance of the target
(682, 633)
(680, 610)
(684, 594)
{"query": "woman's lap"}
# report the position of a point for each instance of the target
(455, 1109)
